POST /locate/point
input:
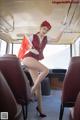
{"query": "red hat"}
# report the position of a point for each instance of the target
(47, 24)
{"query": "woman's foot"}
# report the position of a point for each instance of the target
(41, 114)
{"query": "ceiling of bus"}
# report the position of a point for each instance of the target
(19, 17)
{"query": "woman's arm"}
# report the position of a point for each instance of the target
(54, 40)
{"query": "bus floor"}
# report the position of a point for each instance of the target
(51, 107)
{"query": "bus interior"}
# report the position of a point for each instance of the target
(61, 87)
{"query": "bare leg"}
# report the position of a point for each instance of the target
(38, 73)
(34, 74)
(36, 65)
(38, 93)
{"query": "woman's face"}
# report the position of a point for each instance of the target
(43, 30)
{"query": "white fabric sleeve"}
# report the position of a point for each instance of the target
(50, 40)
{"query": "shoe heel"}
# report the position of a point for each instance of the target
(41, 114)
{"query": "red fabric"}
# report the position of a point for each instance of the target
(24, 47)
(38, 46)
(47, 24)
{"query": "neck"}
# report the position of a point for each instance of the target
(41, 35)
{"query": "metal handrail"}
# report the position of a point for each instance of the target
(10, 27)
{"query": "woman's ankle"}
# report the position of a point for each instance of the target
(41, 114)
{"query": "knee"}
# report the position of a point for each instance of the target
(46, 71)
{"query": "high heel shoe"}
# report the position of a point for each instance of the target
(41, 114)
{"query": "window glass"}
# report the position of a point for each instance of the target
(76, 48)
(2, 47)
(56, 56)
(16, 48)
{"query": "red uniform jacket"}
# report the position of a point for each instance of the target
(38, 46)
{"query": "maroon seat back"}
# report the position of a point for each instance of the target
(7, 100)
(11, 68)
(9, 55)
(77, 108)
(71, 85)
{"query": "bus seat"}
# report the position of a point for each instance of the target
(71, 85)
(9, 55)
(8, 102)
(17, 80)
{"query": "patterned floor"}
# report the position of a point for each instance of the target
(51, 106)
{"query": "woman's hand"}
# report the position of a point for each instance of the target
(33, 50)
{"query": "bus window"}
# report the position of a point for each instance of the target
(76, 48)
(2, 47)
(56, 56)
(16, 48)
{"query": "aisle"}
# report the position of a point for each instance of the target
(51, 106)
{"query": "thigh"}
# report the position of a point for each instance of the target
(34, 74)
(34, 64)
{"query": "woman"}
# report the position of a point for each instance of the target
(37, 70)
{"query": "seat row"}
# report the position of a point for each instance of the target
(71, 89)
(14, 88)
